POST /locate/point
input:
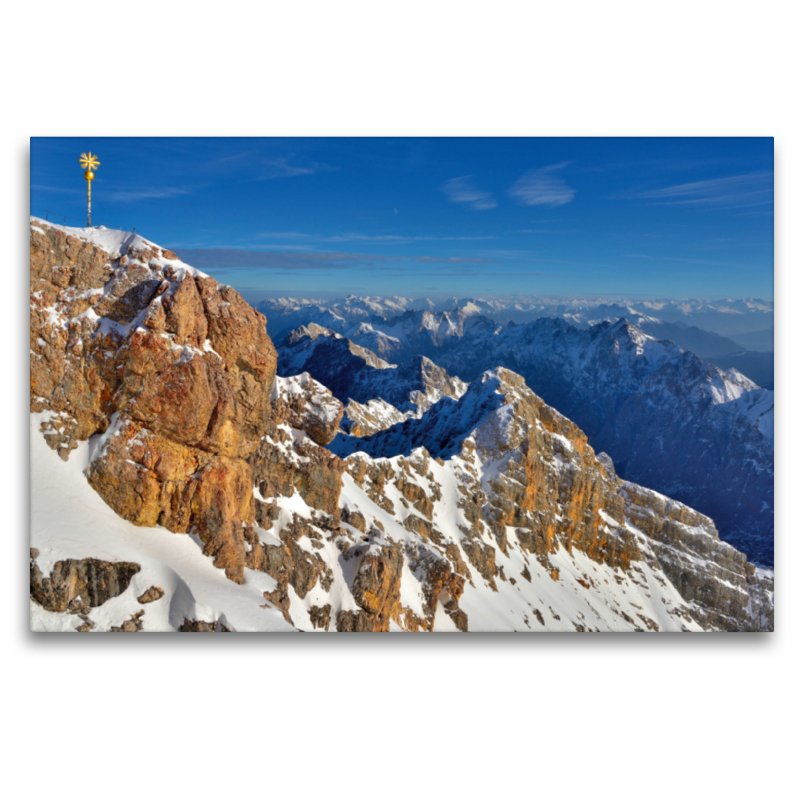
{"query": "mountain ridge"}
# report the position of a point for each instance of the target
(632, 393)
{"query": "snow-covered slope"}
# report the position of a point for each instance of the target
(69, 520)
(505, 473)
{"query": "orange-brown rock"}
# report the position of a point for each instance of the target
(200, 626)
(441, 584)
(376, 589)
(175, 369)
(306, 405)
(289, 563)
(151, 595)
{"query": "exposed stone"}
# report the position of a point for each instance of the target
(151, 595)
(132, 625)
(290, 564)
(376, 589)
(316, 474)
(320, 616)
(721, 586)
(92, 580)
(307, 406)
(199, 626)
(354, 518)
(175, 373)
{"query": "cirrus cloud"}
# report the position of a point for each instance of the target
(460, 190)
(543, 187)
(735, 191)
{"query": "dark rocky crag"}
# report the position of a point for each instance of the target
(376, 394)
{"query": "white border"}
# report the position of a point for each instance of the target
(487, 716)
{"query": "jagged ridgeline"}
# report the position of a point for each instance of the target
(668, 419)
(179, 484)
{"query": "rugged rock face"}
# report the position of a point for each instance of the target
(288, 459)
(173, 370)
(364, 419)
(715, 578)
(668, 419)
(528, 480)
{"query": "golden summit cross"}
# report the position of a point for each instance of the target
(90, 162)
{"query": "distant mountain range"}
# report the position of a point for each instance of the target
(728, 317)
(762, 341)
(667, 418)
(375, 322)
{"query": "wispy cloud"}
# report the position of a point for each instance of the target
(397, 239)
(226, 161)
(282, 168)
(364, 237)
(216, 261)
(736, 191)
(453, 260)
(543, 187)
(122, 194)
(460, 190)
(493, 273)
(145, 193)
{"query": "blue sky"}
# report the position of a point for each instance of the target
(672, 217)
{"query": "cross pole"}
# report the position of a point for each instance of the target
(90, 162)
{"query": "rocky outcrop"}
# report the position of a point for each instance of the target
(307, 405)
(325, 351)
(199, 626)
(289, 458)
(376, 590)
(364, 419)
(669, 420)
(89, 580)
(151, 595)
(171, 369)
(387, 399)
